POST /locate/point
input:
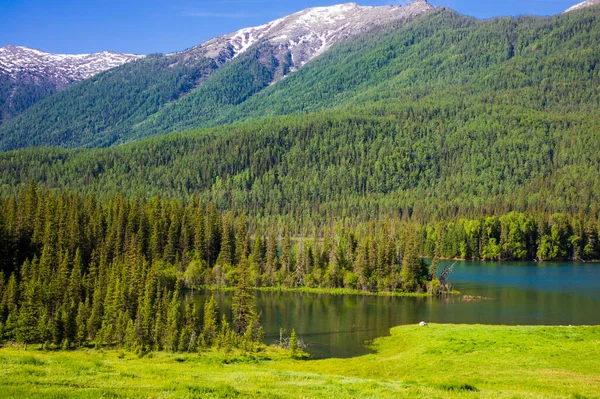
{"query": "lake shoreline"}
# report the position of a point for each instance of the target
(472, 358)
(335, 291)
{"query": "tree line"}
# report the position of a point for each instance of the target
(77, 271)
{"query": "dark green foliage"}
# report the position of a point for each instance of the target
(434, 120)
(490, 154)
(124, 103)
(209, 325)
(95, 281)
(460, 67)
(243, 306)
(413, 274)
(86, 278)
(95, 112)
(18, 95)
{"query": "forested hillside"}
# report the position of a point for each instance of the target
(447, 117)
(16, 97)
(528, 63)
(429, 161)
(447, 137)
(93, 112)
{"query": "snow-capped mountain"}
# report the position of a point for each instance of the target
(308, 33)
(28, 75)
(61, 69)
(584, 4)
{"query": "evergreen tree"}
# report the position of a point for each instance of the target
(286, 259)
(209, 325)
(173, 322)
(243, 307)
(414, 271)
(29, 315)
(189, 332)
(293, 344)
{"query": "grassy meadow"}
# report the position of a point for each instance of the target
(455, 361)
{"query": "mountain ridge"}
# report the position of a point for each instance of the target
(224, 71)
(307, 33)
(63, 69)
(584, 4)
(28, 75)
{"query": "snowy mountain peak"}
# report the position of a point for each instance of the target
(60, 69)
(584, 4)
(308, 33)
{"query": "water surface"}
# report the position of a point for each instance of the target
(518, 294)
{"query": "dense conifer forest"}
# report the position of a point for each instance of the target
(430, 162)
(524, 65)
(77, 271)
(445, 138)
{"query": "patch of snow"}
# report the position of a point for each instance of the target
(584, 4)
(308, 33)
(62, 69)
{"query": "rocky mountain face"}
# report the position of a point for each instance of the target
(300, 37)
(61, 69)
(163, 93)
(584, 4)
(281, 46)
(27, 75)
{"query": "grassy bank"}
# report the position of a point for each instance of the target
(334, 291)
(433, 361)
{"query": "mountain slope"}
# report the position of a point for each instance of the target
(446, 116)
(27, 75)
(585, 4)
(413, 60)
(304, 35)
(248, 61)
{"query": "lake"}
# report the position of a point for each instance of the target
(517, 294)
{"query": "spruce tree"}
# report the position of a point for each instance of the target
(286, 259)
(189, 332)
(293, 344)
(243, 307)
(209, 325)
(29, 313)
(173, 322)
(414, 271)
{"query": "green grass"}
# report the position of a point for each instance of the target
(456, 361)
(332, 291)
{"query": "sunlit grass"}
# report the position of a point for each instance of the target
(433, 361)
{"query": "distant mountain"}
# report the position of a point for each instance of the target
(27, 75)
(447, 116)
(165, 93)
(584, 4)
(302, 36)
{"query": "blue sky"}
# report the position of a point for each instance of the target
(150, 26)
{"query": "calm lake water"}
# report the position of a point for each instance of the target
(519, 294)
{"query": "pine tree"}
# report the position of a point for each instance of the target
(189, 332)
(414, 271)
(81, 323)
(243, 307)
(209, 325)
(286, 259)
(271, 262)
(241, 244)
(226, 256)
(199, 233)
(293, 344)
(171, 253)
(75, 290)
(333, 275)
(29, 313)
(173, 322)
